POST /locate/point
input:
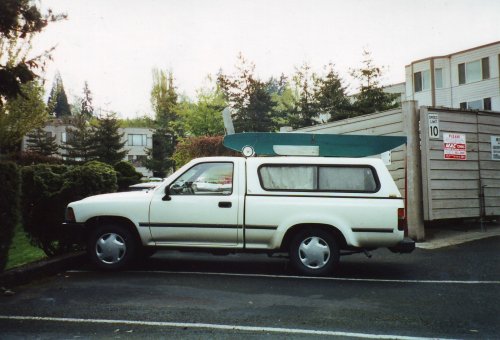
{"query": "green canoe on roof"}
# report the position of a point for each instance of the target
(310, 144)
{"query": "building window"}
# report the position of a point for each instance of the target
(487, 104)
(484, 104)
(137, 140)
(422, 81)
(473, 71)
(438, 75)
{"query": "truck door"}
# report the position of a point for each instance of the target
(201, 208)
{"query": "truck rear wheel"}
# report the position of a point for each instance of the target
(111, 247)
(314, 252)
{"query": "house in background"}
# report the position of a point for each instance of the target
(137, 140)
(468, 79)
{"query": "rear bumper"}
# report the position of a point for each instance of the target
(73, 232)
(407, 245)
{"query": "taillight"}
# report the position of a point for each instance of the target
(70, 215)
(401, 219)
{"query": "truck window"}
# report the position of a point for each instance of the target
(342, 178)
(205, 179)
(357, 179)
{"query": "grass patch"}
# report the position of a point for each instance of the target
(21, 251)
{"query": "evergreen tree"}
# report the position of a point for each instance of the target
(253, 107)
(371, 97)
(80, 141)
(57, 104)
(87, 108)
(331, 96)
(107, 141)
(159, 158)
(307, 113)
(39, 141)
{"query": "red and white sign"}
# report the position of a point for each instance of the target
(454, 146)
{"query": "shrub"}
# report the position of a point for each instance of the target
(47, 190)
(126, 175)
(9, 207)
(194, 147)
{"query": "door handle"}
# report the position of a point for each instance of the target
(225, 204)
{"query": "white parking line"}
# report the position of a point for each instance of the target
(213, 326)
(496, 282)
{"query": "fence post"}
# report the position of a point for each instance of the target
(411, 119)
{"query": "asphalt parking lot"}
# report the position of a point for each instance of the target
(450, 292)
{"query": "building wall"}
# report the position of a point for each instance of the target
(452, 93)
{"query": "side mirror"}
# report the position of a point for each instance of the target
(167, 194)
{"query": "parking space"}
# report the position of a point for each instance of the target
(447, 293)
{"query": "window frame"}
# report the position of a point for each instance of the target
(484, 72)
(208, 193)
(318, 166)
(130, 138)
(425, 74)
(440, 72)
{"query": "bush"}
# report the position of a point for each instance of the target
(9, 207)
(194, 147)
(47, 190)
(126, 175)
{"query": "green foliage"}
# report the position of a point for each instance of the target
(204, 117)
(331, 96)
(9, 207)
(371, 97)
(126, 175)
(46, 191)
(253, 107)
(80, 141)
(164, 103)
(107, 141)
(21, 251)
(159, 157)
(32, 158)
(39, 142)
(20, 115)
(144, 122)
(194, 147)
(20, 20)
(307, 110)
(57, 103)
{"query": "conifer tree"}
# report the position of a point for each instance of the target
(107, 140)
(57, 104)
(39, 141)
(79, 146)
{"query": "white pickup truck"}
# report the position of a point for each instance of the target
(313, 208)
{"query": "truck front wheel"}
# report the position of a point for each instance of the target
(314, 252)
(111, 247)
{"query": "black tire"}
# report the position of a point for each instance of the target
(111, 247)
(322, 256)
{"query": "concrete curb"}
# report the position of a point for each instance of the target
(36, 270)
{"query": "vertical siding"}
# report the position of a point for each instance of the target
(451, 187)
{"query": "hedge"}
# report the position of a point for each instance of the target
(126, 175)
(9, 207)
(46, 191)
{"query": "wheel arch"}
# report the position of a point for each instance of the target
(96, 221)
(294, 230)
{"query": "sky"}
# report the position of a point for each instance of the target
(115, 44)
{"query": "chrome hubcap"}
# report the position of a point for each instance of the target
(110, 248)
(314, 252)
